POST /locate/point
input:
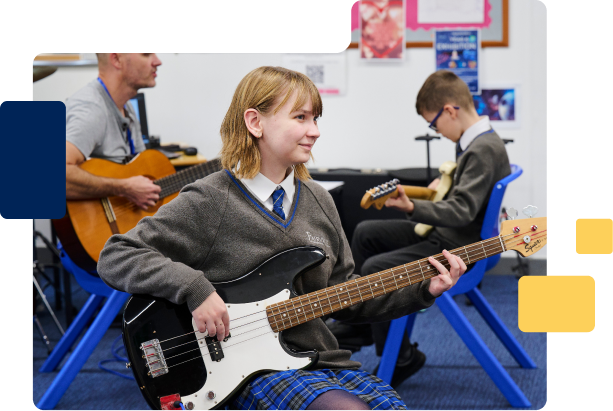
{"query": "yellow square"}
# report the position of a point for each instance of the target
(594, 236)
(556, 304)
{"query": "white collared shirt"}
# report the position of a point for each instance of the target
(473, 131)
(262, 188)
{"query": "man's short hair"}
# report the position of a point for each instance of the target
(440, 88)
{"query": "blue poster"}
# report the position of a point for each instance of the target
(458, 51)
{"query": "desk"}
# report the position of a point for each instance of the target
(185, 161)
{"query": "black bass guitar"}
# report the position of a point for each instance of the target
(173, 362)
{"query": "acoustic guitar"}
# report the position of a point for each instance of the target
(174, 363)
(88, 224)
(377, 196)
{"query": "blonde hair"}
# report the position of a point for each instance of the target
(260, 90)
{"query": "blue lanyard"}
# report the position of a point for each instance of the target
(132, 149)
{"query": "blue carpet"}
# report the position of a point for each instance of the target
(450, 379)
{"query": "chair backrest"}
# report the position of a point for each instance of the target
(88, 281)
(491, 226)
(489, 229)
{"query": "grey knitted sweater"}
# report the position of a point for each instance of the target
(215, 231)
(459, 216)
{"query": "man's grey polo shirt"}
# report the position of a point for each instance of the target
(97, 128)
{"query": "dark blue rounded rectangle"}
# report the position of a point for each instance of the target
(33, 167)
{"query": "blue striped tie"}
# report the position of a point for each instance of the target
(277, 202)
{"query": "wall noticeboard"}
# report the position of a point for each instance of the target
(494, 31)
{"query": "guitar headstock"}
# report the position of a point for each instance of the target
(378, 195)
(525, 236)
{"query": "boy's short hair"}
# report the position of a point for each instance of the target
(440, 88)
(265, 89)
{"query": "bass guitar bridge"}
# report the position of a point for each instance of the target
(152, 352)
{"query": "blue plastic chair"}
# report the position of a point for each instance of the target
(468, 285)
(114, 303)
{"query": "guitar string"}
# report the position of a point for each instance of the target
(231, 345)
(312, 311)
(285, 304)
(237, 318)
(494, 239)
(174, 183)
(200, 356)
(223, 348)
(331, 305)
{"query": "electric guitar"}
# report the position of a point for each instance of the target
(173, 362)
(378, 195)
(88, 224)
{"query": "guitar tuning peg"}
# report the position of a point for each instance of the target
(512, 214)
(530, 211)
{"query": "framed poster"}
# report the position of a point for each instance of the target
(458, 51)
(382, 29)
(500, 104)
(494, 27)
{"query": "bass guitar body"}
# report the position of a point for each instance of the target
(170, 358)
(88, 224)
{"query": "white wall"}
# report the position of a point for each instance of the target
(374, 124)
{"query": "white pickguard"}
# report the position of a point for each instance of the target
(252, 347)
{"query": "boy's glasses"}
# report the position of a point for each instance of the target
(432, 125)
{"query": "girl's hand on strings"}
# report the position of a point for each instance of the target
(212, 316)
(446, 278)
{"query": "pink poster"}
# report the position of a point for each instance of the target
(411, 22)
(382, 25)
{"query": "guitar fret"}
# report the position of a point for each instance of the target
(312, 307)
(285, 314)
(501, 245)
(329, 302)
(348, 296)
(422, 271)
(368, 281)
(382, 284)
(358, 288)
(322, 310)
(407, 273)
(394, 278)
(484, 253)
(306, 319)
(279, 314)
(467, 257)
(340, 304)
(297, 311)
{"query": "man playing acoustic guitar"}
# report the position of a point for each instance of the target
(100, 124)
(445, 102)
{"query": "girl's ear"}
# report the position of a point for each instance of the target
(253, 121)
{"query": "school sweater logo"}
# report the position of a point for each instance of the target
(318, 240)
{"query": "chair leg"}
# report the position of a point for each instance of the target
(410, 324)
(73, 332)
(391, 349)
(482, 353)
(83, 350)
(500, 329)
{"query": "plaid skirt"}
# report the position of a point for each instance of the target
(296, 389)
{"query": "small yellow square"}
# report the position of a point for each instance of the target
(556, 304)
(595, 236)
